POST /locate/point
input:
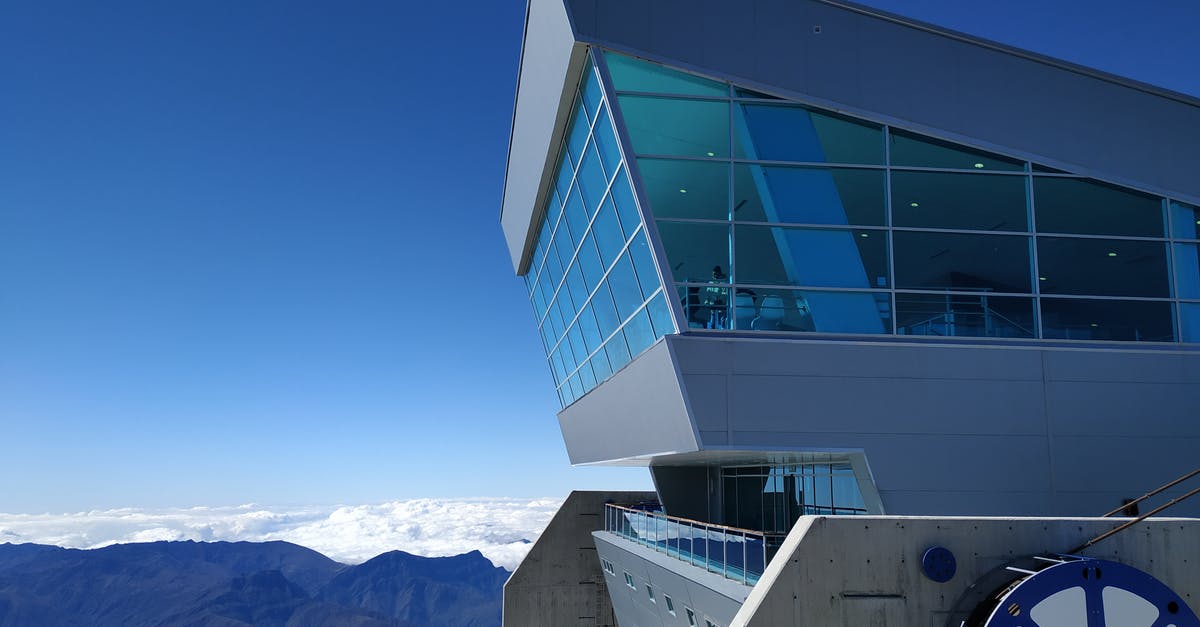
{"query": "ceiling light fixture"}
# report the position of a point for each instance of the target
(1041, 278)
(1112, 254)
(864, 235)
(682, 190)
(914, 204)
(711, 154)
(978, 165)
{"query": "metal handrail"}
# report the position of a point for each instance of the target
(666, 534)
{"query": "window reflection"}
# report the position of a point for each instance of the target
(772, 498)
(761, 309)
(767, 132)
(808, 195)
(1187, 271)
(696, 250)
(629, 74)
(1189, 314)
(1185, 221)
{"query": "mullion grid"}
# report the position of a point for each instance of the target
(1031, 232)
(593, 120)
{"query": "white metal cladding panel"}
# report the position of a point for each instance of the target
(639, 411)
(545, 65)
(906, 74)
(989, 427)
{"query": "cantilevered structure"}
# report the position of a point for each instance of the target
(882, 307)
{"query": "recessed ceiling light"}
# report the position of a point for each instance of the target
(711, 154)
(863, 235)
(978, 165)
(1095, 325)
(1112, 254)
(1197, 221)
(682, 190)
(1041, 278)
(914, 204)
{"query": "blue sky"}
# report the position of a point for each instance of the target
(250, 251)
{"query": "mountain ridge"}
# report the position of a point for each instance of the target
(227, 584)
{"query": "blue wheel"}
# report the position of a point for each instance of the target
(1090, 593)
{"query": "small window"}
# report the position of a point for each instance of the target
(650, 593)
(691, 616)
(670, 605)
(629, 581)
(608, 566)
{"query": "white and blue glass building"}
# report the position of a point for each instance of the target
(806, 261)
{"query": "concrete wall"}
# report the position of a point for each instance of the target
(857, 571)
(707, 594)
(559, 583)
(959, 429)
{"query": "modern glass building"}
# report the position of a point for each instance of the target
(814, 260)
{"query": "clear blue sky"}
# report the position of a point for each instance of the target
(249, 251)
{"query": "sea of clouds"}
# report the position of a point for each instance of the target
(500, 528)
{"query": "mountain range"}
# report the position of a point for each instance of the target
(231, 584)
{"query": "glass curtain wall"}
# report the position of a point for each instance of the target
(592, 280)
(771, 498)
(775, 216)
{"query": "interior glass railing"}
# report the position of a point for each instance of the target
(737, 554)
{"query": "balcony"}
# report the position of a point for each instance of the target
(736, 554)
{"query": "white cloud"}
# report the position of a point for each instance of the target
(500, 528)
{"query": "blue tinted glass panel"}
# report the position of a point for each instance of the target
(605, 310)
(916, 150)
(627, 209)
(576, 215)
(555, 319)
(1093, 208)
(643, 264)
(553, 211)
(696, 252)
(639, 333)
(610, 152)
(592, 94)
(686, 189)
(600, 365)
(566, 173)
(618, 352)
(667, 126)
(609, 239)
(589, 262)
(579, 133)
(564, 353)
(948, 315)
(813, 311)
(808, 195)
(1185, 220)
(660, 316)
(576, 388)
(1102, 267)
(539, 304)
(789, 133)
(1122, 320)
(1187, 271)
(579, 291)
(957, 261)
(629, 74)
(959, 201)
(578, 349)
(625, 291)
(563, 248)
(1190, 313)
(589, 329)
(556, 367)
(811, 257)
(587, 379)
(591, 177)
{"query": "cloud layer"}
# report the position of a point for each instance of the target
(502, 529)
